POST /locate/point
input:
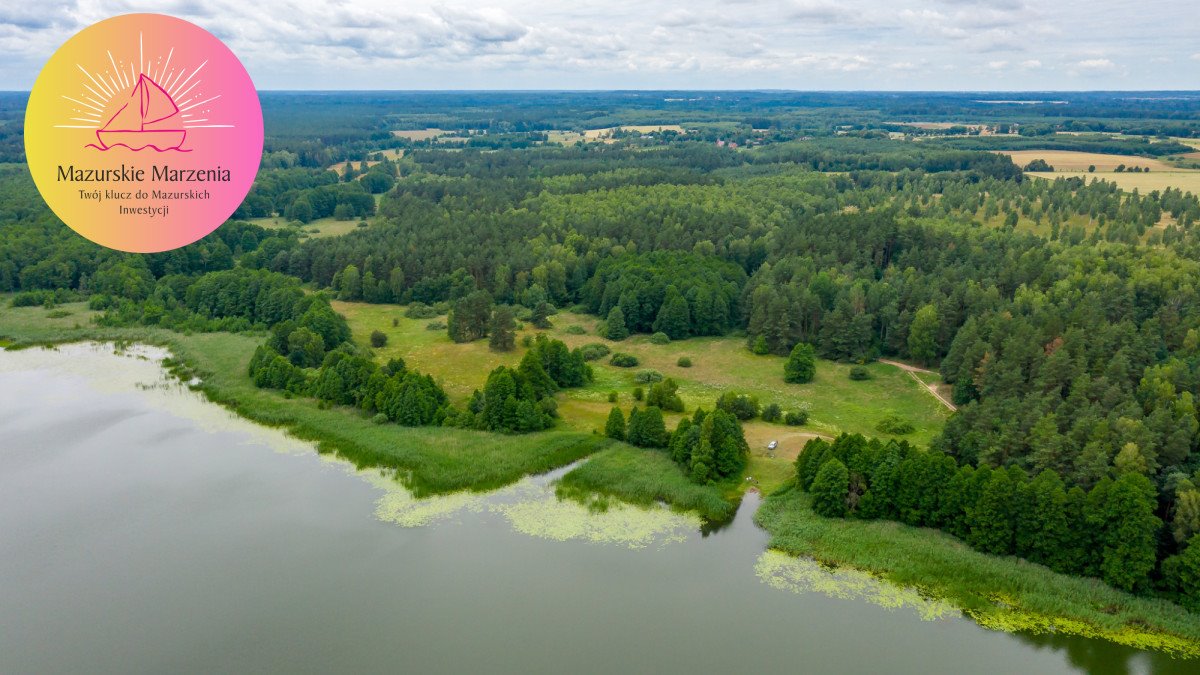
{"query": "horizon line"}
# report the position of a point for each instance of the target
(718, 90)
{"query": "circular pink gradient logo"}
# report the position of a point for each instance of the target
(143, 133)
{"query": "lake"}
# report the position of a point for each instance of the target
(145, 530)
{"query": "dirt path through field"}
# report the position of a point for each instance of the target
(912, 372)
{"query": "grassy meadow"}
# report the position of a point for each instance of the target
(836, 403)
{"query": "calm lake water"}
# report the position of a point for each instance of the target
(143, 530)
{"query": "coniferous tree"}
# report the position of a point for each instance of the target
(469, 318)
(634, 428)
(614, 326)
(539, 316)
(1130, 533)
(810, 460)
(652, 433)
(801, 365)
(829, 489)
(351, 286)
(683, 439)
(922, 335)
(724, 434)
(673, 317)
(703, 457)
(534, 373)
(615, 427)
(502, 336)
(1042, 532)
(991, 519)
(1181, 575)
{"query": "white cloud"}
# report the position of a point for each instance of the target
(1096, 64)
(847, 44)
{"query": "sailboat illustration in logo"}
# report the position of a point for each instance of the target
(149, 119)
(147, 103)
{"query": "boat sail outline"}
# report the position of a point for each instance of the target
(149, 119)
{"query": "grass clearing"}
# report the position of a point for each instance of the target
(836, 403)
(430, 460)
(316, 229)
(1001, 593)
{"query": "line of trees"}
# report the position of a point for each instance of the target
(1110, 531)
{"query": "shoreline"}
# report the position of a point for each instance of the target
(1003, 613)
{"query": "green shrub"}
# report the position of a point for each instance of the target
(527, 341)
(435, 325)
(772, 412)
(622, 360)
(593, 351)
(380, 418)
(760, 346)
(395, 323)
(742, 406)
(796, 418)
(859, 373)
(419, 310)
(639, 393)
(378, 338)
(612, 397)
(663, 395)
(647, 376)
(684, 362)
(575, 330)
(660, 339)
(895, 425)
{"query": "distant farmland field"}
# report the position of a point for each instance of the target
(596, 134)
(1188, 181)
(421, 134)
(1065, 160)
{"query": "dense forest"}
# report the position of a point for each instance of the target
(1065, 314)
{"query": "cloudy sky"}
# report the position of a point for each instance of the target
(683, 44)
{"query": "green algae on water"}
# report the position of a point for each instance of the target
(539, 513)
(804, 575)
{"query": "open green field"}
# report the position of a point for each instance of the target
(430, 460)
(1002, 593)
(836, 403)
